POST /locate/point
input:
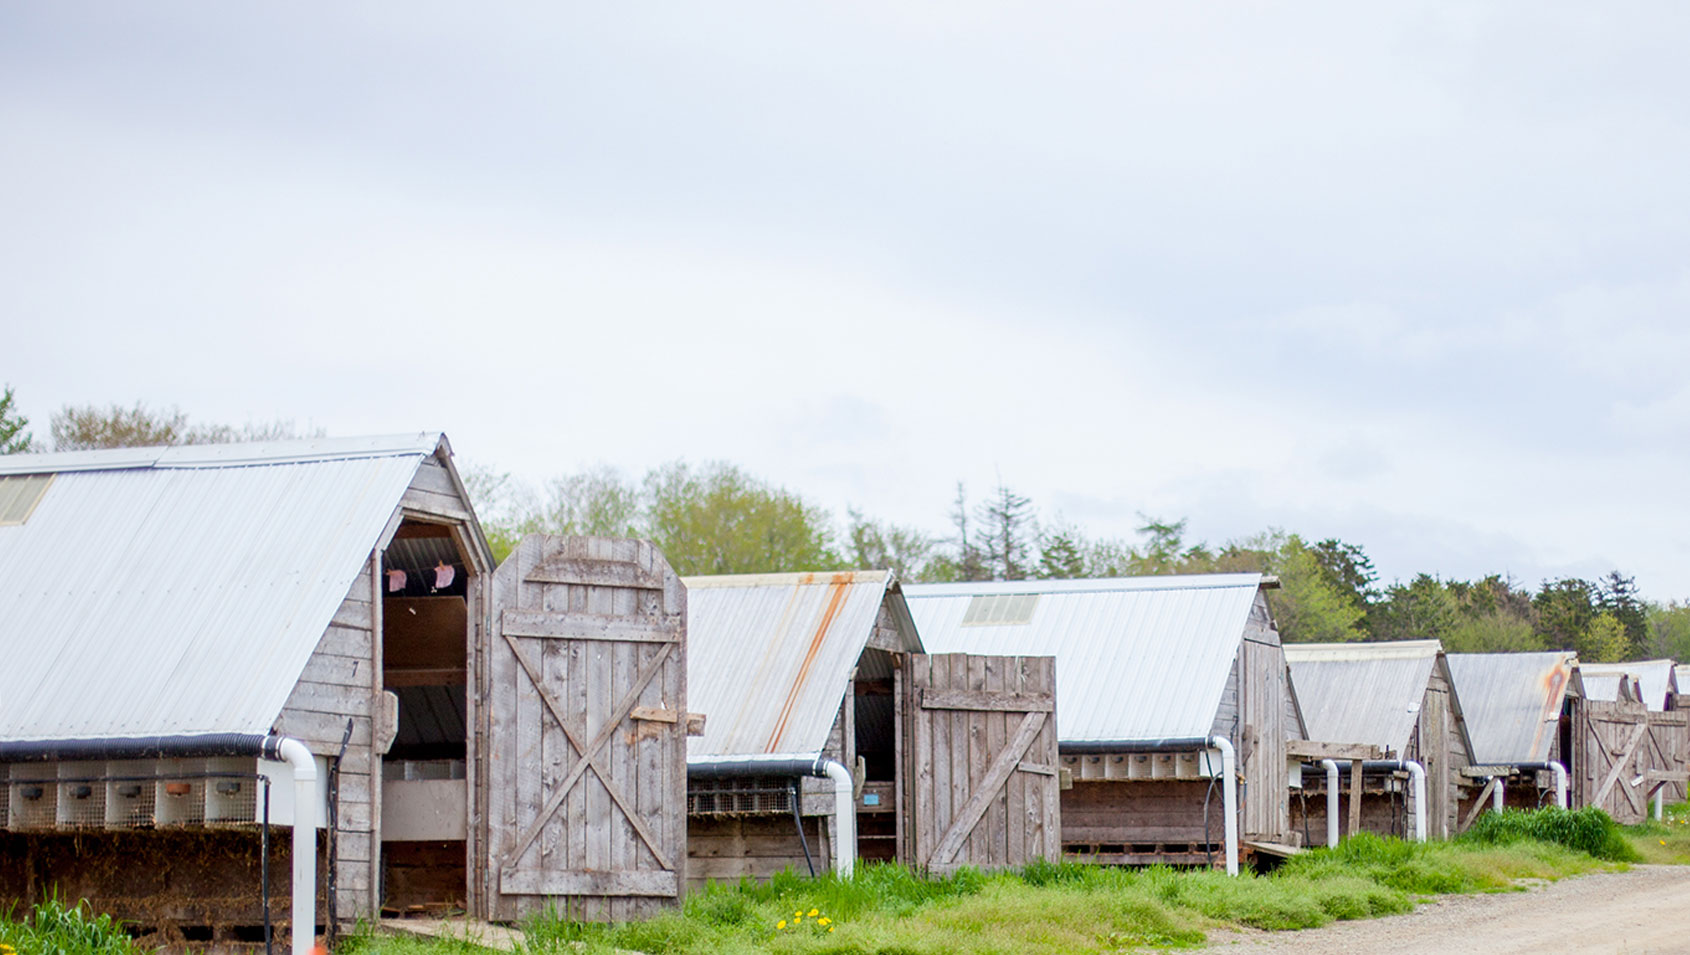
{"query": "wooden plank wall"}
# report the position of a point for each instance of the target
(580, 580)
(1264, 689)
(336, 685)
(954, 751)
(724, 849)
(1438, 747)
(1602, 732)
(1141, 818)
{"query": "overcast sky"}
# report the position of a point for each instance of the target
(1411, 275)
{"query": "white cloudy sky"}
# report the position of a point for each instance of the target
(1413, 275)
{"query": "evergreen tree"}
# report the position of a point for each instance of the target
(1062, 556)
(13, 438)
(1008, 527)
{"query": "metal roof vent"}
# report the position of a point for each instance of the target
(19, 493)
(999, 610)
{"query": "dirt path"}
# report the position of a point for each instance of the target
(1644, 910)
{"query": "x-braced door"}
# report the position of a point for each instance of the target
(982, 760)
(585, 759)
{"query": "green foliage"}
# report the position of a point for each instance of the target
(1008, 528)
(876, 545)
(1588, 830)
(87, 427)
(13, 438)
(720, 520)
(1669, 630)
(1060, 556)
(1310, 605)
(53, 928)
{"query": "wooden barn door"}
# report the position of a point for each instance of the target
(1610, 743)
(982, 761)
(585, 752)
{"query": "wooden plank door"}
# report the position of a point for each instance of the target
(1608, 739)
(981, 761)
(585, 751)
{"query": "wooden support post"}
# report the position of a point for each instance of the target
(1355, 797)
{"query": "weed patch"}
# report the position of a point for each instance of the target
(59, 929)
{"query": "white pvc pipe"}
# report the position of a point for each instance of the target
(304, 844)
(1496, 794)
(1417, 779)
(1560, 784)
(1331, 767)
(1660, 803)
(844, 817)
(1229, 798)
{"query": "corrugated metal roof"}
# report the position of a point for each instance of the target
(181, 590)
(1655, 680)
(1513, 701)
(1362, 692)
(770, 656)
(1136, 657)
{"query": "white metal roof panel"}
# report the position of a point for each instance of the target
(1512, 701)
(1655, 680)
(1362, 692)
(770, 656)
(1137, 658)
(184, 595)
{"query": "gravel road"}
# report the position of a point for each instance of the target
(1644, 910)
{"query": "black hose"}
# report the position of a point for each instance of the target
(798, 817)
(1208, 844)
(264, 861)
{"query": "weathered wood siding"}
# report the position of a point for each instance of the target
(1437, 745)
(585, 797)
(984, 760)
(1140, 822)
(338, 684)
(1263, 688)
(1616, 743)
(724, 849)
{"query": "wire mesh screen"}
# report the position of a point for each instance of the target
(739, 796)
(131, 795)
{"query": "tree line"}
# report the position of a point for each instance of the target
(716, 518)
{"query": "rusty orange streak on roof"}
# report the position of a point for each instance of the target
(838, 587)
(1553, 681)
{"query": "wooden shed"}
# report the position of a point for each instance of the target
(937, 761)
(1521, 709)
(486, 741)
(1400, 697)
(1628, 746)
(1164, 683)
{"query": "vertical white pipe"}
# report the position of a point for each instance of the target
(844, 817)
(1229, 798)
(1660, 803)
(304, 844)
(1331, 767)
(1496, 794)
(1417, 778)
(1560, 784)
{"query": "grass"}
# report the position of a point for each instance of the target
(53, 928)
(1066, 908)
(1666, 842)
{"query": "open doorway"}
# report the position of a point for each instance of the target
(877, 734)
(425, 649)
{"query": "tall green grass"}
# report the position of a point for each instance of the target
(53, 928)
(1586, 830)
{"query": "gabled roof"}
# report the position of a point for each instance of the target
(1513, 701)
(1655, 681)
(770, 656)
(1137, 658)
(161, 591)
(1366, 692)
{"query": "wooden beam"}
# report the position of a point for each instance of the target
(425, 676)
(1316, 749)
(588, 882)
(596, 573)
(1479, 804)
(992, 700)
(586, 626)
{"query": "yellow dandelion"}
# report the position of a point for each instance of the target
(815, 912)
(798, 915)
(824, 920)
(830, 928)
(781, 924)
(1663, 842)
